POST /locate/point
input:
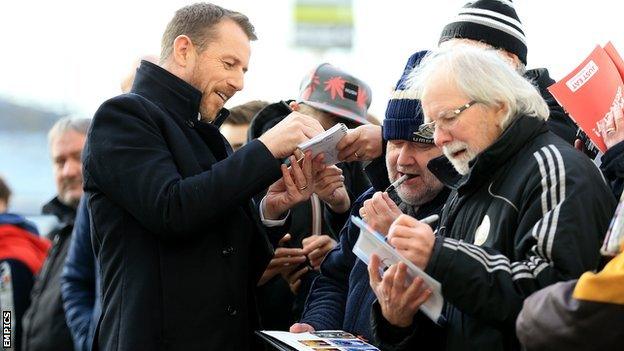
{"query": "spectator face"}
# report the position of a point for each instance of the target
(463, 128)
(218, 71)
(236, 135)
(405, 157)
(66, 150)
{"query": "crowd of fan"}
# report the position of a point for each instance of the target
(171, 237)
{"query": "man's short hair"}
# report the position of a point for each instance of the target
(65, 124)
(5, 192)
(197, 22)
(243, 114)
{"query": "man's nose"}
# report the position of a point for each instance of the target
(237, 82)
(441, 137)
(405, 156)
(72, 168)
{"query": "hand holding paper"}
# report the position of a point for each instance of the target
(412, 239)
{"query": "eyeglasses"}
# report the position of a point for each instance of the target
(446, 121)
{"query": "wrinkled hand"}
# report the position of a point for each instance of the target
(283, 138)
(412, 239)
(361, 144)
(295, 186)
(301, 328)
(330, 188)
(317, 247)
(398, 298)
(379, 212)
(614, 133)
(284, 261)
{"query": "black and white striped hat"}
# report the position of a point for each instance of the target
(493, 22)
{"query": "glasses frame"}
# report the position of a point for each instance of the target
(426, 130)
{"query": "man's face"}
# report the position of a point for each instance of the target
(236, 134)
(460, 136)
(66, 150)
(405, 157)
(218, 71)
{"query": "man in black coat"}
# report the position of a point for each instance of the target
(173, 226)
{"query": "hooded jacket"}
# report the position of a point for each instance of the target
(532, 211)
(22, 253)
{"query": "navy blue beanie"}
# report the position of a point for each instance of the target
(404, 114)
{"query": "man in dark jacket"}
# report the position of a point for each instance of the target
(314, 224)
(44, 321)
(341, 297)
(528, 210)
(174, 231)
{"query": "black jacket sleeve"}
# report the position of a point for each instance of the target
(612, 168)
(129, 159)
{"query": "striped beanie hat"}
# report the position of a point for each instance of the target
(493, 22)
(404, 113)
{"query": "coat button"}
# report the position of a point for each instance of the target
(228, 251)
(231, 310)
(190, 123)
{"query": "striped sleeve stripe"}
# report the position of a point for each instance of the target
(553, 183)
(499, 262)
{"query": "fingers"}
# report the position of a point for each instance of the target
(391, 205)
(297, 172)
(399, 277)
(286, 238)
(387, 282)
(373, 272)
(301, 328)
(286, 251)
(288, 181)
(379, 203)
(618, 116)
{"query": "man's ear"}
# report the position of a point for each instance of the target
(501, 109)
(183, 51)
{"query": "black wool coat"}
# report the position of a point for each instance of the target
(173, 226)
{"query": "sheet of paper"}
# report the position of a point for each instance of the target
(370, 242)
(326, 143)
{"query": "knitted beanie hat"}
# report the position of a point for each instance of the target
(493, 22)
(404, 113)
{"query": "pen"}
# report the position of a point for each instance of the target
(398, 182)
(430, 219)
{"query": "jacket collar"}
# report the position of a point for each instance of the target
(18, 221)
(513, 139)
(170, 92)
(65, 214)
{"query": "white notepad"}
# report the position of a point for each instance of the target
(370, 242)
(326, 143)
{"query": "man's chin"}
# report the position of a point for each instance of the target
(460, 166)
(71, 199)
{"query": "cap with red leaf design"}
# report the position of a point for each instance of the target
(332, 90)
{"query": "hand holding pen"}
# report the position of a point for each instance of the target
(413, 239)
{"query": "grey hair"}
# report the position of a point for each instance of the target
(65, 124)
(484, 76)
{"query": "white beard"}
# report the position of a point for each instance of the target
(460, 163)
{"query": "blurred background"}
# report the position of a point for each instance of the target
(67, 57)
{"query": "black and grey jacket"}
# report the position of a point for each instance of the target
(531, 212)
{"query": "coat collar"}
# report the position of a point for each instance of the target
(65, 214)
(172, 93)
(513, 139)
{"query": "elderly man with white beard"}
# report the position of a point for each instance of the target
(526, 211)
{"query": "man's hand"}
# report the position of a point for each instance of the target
(412, 239)
(301, 328)
(399, 299)
(284, 261)
(361, 144)
(379, 212)
(317, 247)
(330, 188)
(294, 278)
(283, 138)
(295, 186)
(615, 132)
